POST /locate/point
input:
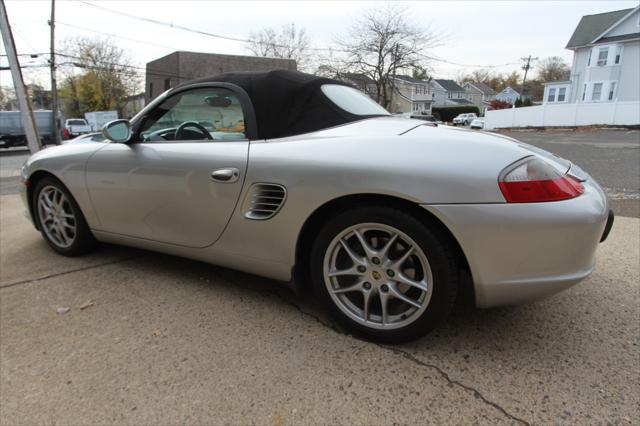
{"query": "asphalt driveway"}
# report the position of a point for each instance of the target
(153, 339)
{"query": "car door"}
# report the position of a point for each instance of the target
(179, 179)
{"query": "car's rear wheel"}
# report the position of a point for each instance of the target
(383, 274)
(60, 220)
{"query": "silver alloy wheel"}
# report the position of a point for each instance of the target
(56, 216)
(378, 276)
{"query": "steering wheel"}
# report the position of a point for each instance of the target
(198, 126)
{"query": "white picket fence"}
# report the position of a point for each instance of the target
(578, 114)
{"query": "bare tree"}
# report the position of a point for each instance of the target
(289, 43)
(553, 68)
(383, 43)
(8, 99)
(479, 76)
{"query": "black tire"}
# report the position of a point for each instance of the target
(83, 241)
(433, 243)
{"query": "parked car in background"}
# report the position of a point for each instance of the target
(464, 119)
(308, 180)
(12, 133)
(477, 123)
(89, 137)
(75, 127)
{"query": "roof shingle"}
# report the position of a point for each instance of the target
(485, 89)
(449, 85)
(591, 26)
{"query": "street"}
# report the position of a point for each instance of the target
(155, 339)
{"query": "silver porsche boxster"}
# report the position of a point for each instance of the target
(307, 180)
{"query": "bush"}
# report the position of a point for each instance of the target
(527, 102)
(498, 104)
(518, 103)
(447, 114)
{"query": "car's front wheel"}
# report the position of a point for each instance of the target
(60, 219)
(383, 274)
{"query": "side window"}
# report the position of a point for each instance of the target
(207, 114)
(562, 94)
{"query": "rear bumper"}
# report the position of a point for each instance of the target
(522, 252)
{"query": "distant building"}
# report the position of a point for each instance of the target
(479, 94)
(508, 95)
(361, 81)
(557, 92)
(412, 95)
(606, 60)
(180, 67)
(448, 93)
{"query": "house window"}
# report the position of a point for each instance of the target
(603, 53)
(584, 91)
(618, 55)
(562, 94)
(612, 90)
(589, 60)
(551, 97)
(167, 83)
(597, 92)
(449, 95)
(150, 90)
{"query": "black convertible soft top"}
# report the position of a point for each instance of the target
(287, 103)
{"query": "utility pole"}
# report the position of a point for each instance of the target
(526, 67)
(54, 87)
(26, 112)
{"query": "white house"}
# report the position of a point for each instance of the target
(557, 92)
(508, 95)
(606, 60)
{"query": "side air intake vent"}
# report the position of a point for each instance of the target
(264, 201)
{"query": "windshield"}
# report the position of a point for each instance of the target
(76, 122)
(351, 100)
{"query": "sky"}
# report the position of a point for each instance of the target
(476, 34)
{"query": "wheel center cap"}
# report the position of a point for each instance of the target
(376, 275)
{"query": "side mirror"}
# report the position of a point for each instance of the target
(117, 131)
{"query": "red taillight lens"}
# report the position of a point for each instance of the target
(65, 133)
(533, 181)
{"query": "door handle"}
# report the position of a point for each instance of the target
(226, 175)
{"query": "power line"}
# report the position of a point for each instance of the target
(104, 67)
(118, 36)
(22, 37)
(166, 24)
(232, 38)
(193, 30)
(433, 58)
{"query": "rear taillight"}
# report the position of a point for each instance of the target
(532, 180)
(65, 133)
